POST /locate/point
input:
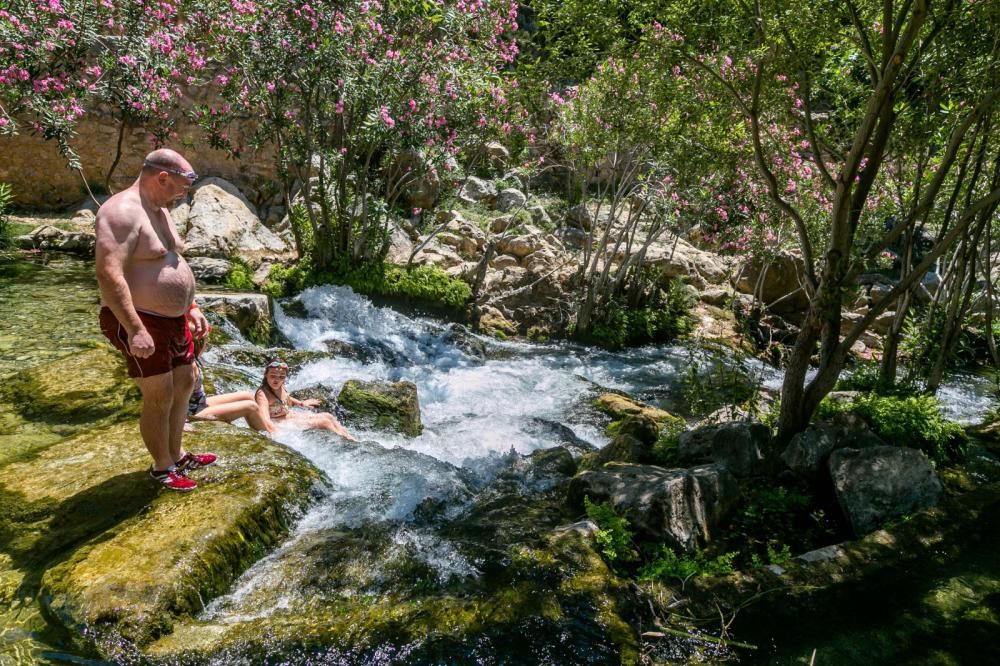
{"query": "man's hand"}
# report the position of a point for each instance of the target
(140, 344)
(201, 325)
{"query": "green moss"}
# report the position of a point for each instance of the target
(87, 387)
(383, 406)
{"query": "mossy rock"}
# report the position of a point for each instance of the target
(116, 558)
(554, 602)
(620, 406)
(81, 388)
(382, 405)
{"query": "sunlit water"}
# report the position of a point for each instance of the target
(480, 400)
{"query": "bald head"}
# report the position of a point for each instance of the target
(165, 159)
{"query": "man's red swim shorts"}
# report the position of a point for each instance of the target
(173, 344)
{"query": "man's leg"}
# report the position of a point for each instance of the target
(154, 424)
(182, 383)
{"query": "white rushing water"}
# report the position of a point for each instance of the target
(476, 408)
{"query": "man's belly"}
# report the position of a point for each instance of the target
(164, 287)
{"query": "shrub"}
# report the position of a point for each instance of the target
(668, 564)
(914, 421)
(614, 538)
(240, 276)
(425, 284)
(665, 448)
(663, 320)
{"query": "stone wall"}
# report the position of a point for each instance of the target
(42, 181)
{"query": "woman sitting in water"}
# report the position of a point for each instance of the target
(275, 403)
(223, 407)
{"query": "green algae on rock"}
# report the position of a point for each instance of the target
(86, 387)
(116, 559)
(383, 405)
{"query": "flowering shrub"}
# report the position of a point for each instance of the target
(60, 57)
(361, 99)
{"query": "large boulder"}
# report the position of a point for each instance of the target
(881, 483)
(778, 278)
(511, 199)
(477, 190)
(209, 269)
(809, 450)
(744, 448)
(223, 224)
(118, 559)
(680, 506)
(676, 258)
(382, 405)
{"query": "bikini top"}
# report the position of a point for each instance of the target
(276, 407)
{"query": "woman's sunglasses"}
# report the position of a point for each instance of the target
(277, 364)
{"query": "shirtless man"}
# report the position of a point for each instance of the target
(147, 294)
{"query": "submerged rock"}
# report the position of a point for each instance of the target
(881, 483)
(75, 391)
(383, 405)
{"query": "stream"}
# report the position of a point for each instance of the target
(484, 404)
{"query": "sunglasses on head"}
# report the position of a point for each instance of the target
(277, 364)
(190, 175)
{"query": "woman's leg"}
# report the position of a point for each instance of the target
(320, 421)
(223, 398)
(232, 410)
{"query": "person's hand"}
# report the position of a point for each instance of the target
(140, 344)
(311, 402)
(201, 325)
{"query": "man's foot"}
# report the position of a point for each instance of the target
(190, 461)
(173, 479)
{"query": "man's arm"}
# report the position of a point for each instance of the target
(116, 239)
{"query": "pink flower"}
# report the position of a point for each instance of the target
(386, 118)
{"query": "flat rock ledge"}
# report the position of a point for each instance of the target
(117, 561)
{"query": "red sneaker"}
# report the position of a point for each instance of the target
(173, 479)
(190, 461)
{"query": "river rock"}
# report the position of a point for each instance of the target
(744, 448)
(76, 391)
(251, 313)
(48, 237)
(383, 405)
(809, 450)
(620, 406)
(223, 224)
(881, 483)
(633, 443)
(680, 506)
